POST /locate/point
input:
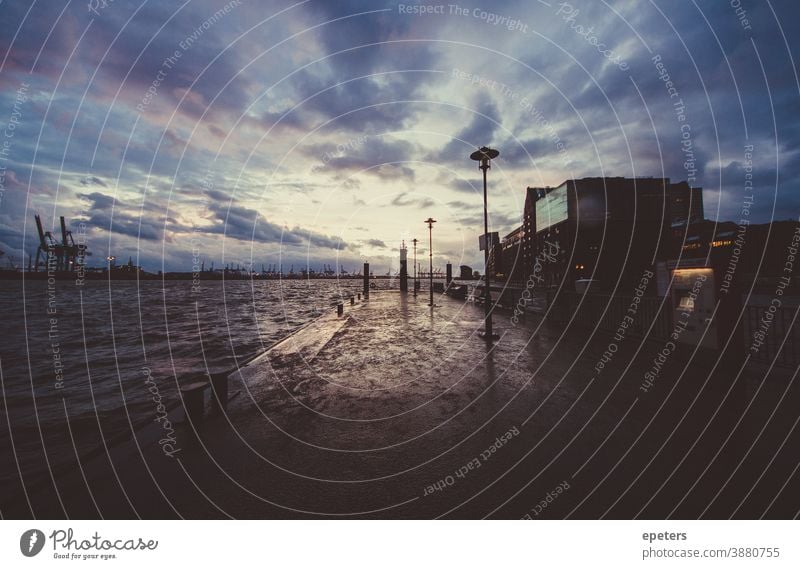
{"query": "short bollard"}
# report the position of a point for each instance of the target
(352, 300)
(193, 396)
(359, 296)
(219, 387)
(340, 309)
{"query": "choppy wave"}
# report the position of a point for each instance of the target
(72, 369)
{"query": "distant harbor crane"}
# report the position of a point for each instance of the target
(65, 255)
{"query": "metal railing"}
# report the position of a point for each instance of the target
(608, 312)
(780, 341)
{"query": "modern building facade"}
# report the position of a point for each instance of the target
(603, 230)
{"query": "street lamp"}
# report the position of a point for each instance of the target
(484, 155)
(415, 265)
(430, 221)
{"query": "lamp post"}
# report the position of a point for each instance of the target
(430, 221)
(415, 265)
(484, 155)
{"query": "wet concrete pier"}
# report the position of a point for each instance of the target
(398, 410)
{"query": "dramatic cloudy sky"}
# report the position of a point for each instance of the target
(326, 132)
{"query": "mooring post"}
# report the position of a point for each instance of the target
(219, 387)
(403, 268)
(193, 399)
(340, 309)
(352, 300)
(359, 296)
(366, 280)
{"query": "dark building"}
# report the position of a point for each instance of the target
(685, 204)
(707, 283)
(606, 230)
(744, 270)
(506, 260)
(739, 254)
(528, 244)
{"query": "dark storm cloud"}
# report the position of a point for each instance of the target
(483, 124)
(363, 105)
(710, 78)
(197, 33)
(460, 205)
(379, 156)
(217, 196)
(403, 200)
(288, 119)
(362, 86)
(498, 221)
(524, 153)
(33, 38)
(93, 181)
(244, 224)
(115, 216)
(464, 186)
(13, 208)
(366, 71)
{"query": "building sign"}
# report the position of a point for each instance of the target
(494, 238)
(552, 208)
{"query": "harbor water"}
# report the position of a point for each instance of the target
(74, 359)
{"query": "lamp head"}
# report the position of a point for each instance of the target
(484, 154)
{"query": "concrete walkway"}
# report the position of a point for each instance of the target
(397, 410)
